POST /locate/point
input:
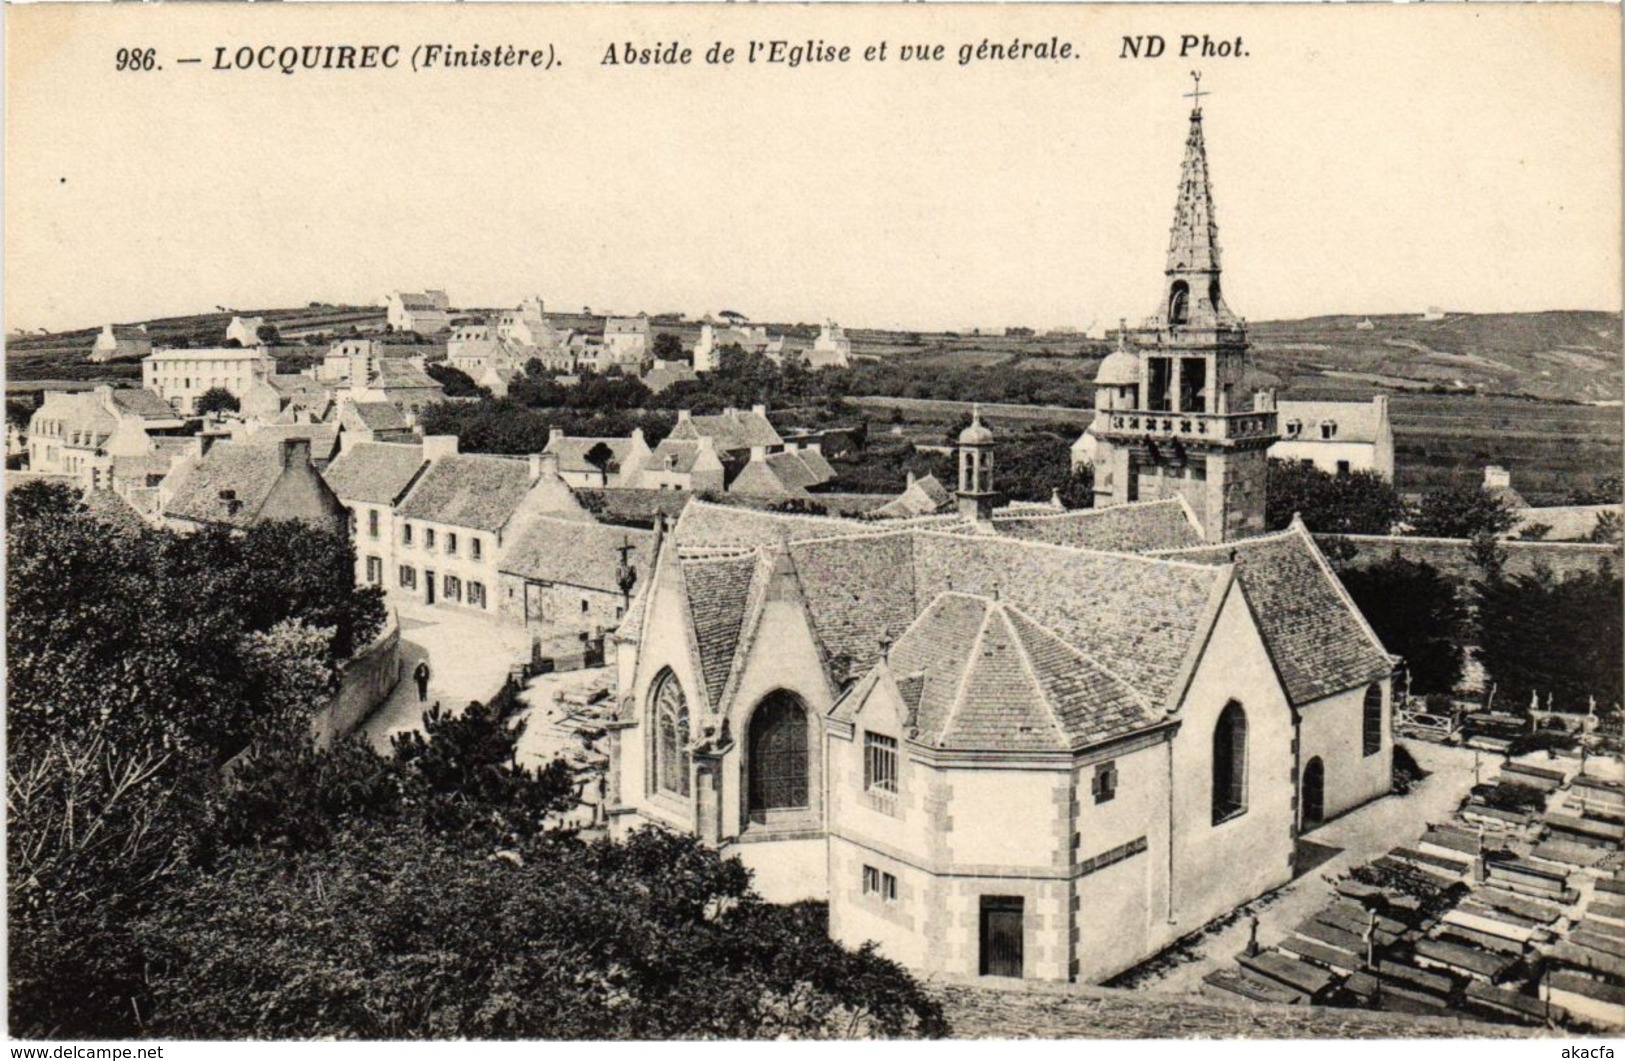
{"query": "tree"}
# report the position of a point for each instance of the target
(1462, 512)
(1607, 530)
(455, 382)
(216, 400)
(1558, 638)
(268, 334)
(1361, 502)
(668, 347)
(1417, 613)
(600, 456)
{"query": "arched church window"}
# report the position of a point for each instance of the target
(1230, 763)
(777, 749)
(1371, 717)
(1179, 303)
(671, 735)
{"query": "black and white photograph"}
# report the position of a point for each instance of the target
(559, 522)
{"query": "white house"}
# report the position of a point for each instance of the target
(1337, 437)
(118, 342)
(245, 330)
(832, 349)
(626, 340)
(180, 377)
(424, 312)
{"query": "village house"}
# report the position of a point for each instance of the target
(121, 342)
(401, 382)
(370, 480)
(663, 374)
(286, 398)
(238, 484)
(569, 575)
(528, 326)
(622, 467)
(751, 339)
(79, 433)
(423, 312)
(1337, 437)
(626, 341)
(1018, 741)
(360, 422)
(322, 438)
(245, 331)
(457, 521)
(490, 361)
(180, 377)
(832, 349)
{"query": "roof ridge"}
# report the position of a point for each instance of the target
(1084, 656)
(964, 674)
(1298, 528)
(1031, 671)
(1154, 559)
(1006, 514)
(1268, 536)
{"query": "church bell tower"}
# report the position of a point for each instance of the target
(1170, 416)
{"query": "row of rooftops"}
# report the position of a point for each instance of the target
(1056, 631)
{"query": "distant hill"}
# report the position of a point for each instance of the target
(1561, 355)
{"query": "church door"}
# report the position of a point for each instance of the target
(1314, 793)
(1001, 935)
(778, 756)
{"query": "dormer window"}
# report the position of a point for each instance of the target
(1328, 429)
(1294, 428)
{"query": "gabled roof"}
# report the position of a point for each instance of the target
(572, 451)
(816, 464)
(718, 590)
(324, 438)
(635, 505)
(660, 377)
(1317, 638)
(732, 430)
(478, 492)
(375, 416)
(1133, 528)
(770, 479)
(1356, 421)
(295, 385)
(985, 677)
(680, 455)
(575, 552)
(400, 374)
(143, 403)
(229, 484)
(923, 496)
(375, 473)
(709, 524)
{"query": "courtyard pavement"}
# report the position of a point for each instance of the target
(1333, 849)
(469, 656)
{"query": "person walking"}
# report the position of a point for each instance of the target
(422, 676)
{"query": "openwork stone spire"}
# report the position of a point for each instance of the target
(1193, 295)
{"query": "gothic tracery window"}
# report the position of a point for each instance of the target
(670, 713)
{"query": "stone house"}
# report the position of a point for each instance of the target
(180, 377)
(832, 349)
(424, 312)
(245, 331)
(79, 433)
(626, 341)
(120, 342)
(564, 573)
(371, 479)
(1337, 437)
(238, 484)
(457, 521)
(627, 459)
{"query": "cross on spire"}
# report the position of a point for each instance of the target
(1196, 93)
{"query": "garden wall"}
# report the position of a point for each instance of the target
(365, 682)
(1453, 557)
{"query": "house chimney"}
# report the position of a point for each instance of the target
(910, 481)
(729, 410)
(555, 434)
(758, 453)
(791, 447)
(682, 416)
(1496, 477)
(295, 452)
(437, 446)
(759, 410)
(637, 436)
(544, 464)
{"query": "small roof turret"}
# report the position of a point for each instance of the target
(977, 433)
(1121, 368)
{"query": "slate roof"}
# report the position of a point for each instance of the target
(1134, 528)
(771, 478)
(634, 506)
(324, 438)
(681, 454)
(710, 524)
(921, 497)
(478, 492)
(1356, 421)
(143, 403)
(718, 595)
(245, 472)
(375, 473)
(1318, 640)
(111, 509)
(733, 430)
(399, 374)
(377, 416)
(816, 464)
(576, 553)
(660, 377)
(989, 678)
(572, 451)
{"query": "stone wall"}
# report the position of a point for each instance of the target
(1453, 556)
(365, 682)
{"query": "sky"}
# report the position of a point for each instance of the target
(1365, 159)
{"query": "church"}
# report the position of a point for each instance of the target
(1015, 741)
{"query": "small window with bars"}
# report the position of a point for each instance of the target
(878, 882)
(1104, 784)
(879, 763)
